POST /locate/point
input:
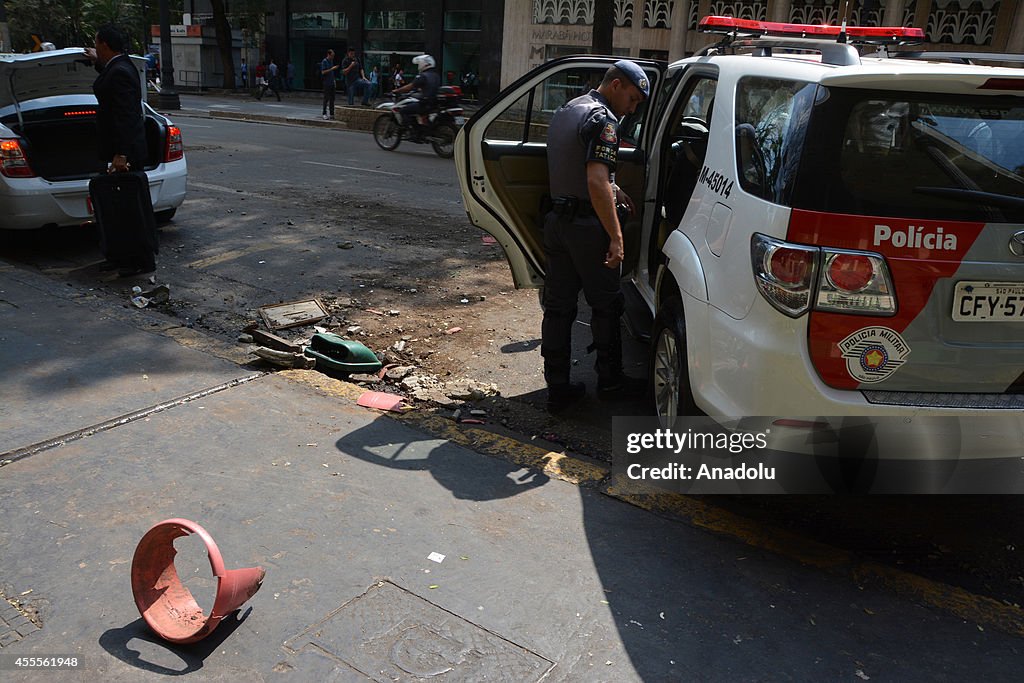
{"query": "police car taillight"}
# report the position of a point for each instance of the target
(13, 162)
(784, 273)
(750, 27)
(855, 282)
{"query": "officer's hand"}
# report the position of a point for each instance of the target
(622, 198)
(615, 254)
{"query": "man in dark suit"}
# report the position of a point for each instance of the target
(121, 136)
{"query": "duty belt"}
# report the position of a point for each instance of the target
(569, 207)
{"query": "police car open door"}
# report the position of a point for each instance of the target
(501, 157)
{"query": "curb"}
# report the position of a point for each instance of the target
(338, 124)
(979, 609)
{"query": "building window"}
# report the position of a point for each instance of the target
(327, 24)
(394, 21)
(462, 20)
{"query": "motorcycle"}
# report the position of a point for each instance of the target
(442, 124)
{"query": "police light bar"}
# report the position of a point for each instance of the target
(728, 25)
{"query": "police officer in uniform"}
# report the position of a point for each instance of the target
(583, 236)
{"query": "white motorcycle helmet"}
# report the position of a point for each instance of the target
(424, 62)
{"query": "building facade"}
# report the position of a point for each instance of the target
(500, 40)
(539, 30)
(463, 36)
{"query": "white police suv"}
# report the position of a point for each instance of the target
(821, 232)
(48, 142)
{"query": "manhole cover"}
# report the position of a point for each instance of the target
(389, 634)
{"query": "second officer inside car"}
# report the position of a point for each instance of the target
(583, 236)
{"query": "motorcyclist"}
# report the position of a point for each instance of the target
(427, 83)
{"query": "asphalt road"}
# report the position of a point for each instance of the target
(267, 208)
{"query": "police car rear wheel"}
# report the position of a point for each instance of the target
(670, 374)
(386, 132)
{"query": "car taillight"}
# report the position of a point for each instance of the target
(13, 163)
(855, 282)
(784, 273)
(175, 146)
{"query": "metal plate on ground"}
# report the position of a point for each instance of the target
(389, 634)
(293, 314)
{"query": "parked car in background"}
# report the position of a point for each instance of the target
(48, 143)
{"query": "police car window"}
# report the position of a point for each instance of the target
(528, 117)
(771, 119)
(920, 156)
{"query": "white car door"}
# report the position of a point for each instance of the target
(501, 157)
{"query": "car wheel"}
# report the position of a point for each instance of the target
(165, 216)
(443, 141)
(669, 369)
(386, 132)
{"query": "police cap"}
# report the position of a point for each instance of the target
(635, 75)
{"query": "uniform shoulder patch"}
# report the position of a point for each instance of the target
(609, 134)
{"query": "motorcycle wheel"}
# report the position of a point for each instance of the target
(386, 132)
(443, 141)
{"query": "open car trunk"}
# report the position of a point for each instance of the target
(60, 142)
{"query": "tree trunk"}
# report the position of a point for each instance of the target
(223, 30)
(604, 25)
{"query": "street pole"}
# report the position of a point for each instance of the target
(168, 98)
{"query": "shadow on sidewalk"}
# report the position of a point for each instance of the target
(151, 653)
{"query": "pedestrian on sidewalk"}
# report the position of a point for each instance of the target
(261, 74)
(397, 80)
(374, 82)
(271, 82)
(327, 69)
(245, 74)
(355, 78)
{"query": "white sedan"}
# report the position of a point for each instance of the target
(48, 143)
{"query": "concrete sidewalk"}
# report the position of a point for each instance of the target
(295, 108)
(343, 506)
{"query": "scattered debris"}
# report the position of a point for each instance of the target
(245, 339)
(399, 372)
(436, 557)
(341, 355)
(293, 314)
(384, 401)
(285, 359)
(374, 311)
(487, 239)
(157, 295)
(399, 345)
(274, 342)
(354, 329)
(453, 330)
(345, 245)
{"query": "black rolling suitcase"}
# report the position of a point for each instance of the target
(124, 212)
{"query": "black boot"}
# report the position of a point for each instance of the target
(556, 348)
(612, 383)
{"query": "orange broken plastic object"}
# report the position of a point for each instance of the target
(165, 603)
